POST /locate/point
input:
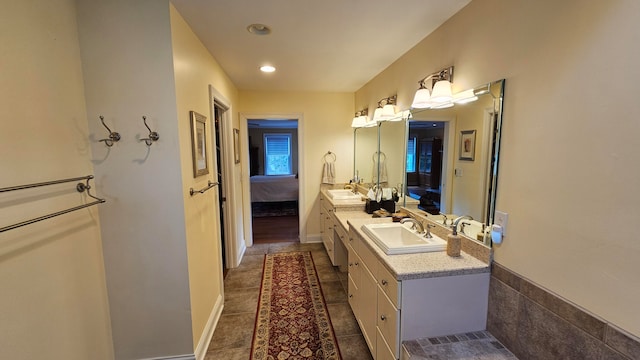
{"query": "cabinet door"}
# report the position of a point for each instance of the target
(368, 306)
(382, 351)
(353, 297)
(388, 322)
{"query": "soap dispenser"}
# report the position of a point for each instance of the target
(454, 243)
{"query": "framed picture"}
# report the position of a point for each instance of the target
(199, 144)
(236, 146)
(467, 145)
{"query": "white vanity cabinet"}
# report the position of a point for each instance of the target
(327, 228)
(334, 235)
(390, 311)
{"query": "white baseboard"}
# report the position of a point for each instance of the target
(177, 357)
(314, 238)
(207, 334)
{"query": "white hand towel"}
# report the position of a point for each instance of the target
(386, 194)
(384, 176)
(329, 173)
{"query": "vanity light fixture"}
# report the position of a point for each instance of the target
(422, 99)
(360, 119)
(386, 109)
(441, 92)
(440, 83)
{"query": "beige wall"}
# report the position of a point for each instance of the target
(326, 126)
(567, 170)
(195, 70)
(127, 61)
(54, 297)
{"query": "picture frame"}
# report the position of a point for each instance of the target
(467, 145)
(236, 146)
(199, 144)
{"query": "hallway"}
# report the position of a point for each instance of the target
(232, 337)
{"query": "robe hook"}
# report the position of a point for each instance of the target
(153, 136)
(113, 136)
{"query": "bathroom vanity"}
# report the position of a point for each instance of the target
(403, 297)
(334, 237)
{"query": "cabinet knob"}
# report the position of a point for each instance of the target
(350, 295)
(383, 318)
(384, 282)
(357, 263)
(350, 264)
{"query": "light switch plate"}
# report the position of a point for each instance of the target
(458, 172)
(501, 218)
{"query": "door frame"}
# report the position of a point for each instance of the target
(232, 248)
(246, 185)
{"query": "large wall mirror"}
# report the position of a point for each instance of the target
(452, 158)
(444, 160)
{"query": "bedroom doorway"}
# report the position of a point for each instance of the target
(273, 177)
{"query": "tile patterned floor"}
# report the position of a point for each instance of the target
(232, 337)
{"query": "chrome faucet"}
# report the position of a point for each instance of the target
(351, 186)
(417, 225)
(454, 224)
(444, 219)
(464, 223)
(428, 233)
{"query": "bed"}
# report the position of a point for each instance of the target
(273, 188)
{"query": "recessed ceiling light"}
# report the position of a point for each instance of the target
(267, 68)
(259, 29)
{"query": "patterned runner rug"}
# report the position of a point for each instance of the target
(293, 321)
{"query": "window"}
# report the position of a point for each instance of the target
(277, 154)
(411, 155)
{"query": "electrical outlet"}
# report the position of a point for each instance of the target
(501, 218)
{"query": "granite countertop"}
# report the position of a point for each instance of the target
(419, 265)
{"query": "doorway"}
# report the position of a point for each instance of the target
(274, 186)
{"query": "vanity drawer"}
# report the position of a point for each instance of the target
(328, 224)
(388, 322)
(352, 238)
(342, 234)
(367, 255)
(354, 266)
(389, 285)
(353, 297)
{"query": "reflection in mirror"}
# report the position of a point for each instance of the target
(366, 143)
(452, 158)
(392, 154)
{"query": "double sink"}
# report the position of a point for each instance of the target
(393, 238)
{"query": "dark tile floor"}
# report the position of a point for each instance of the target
(232, 337)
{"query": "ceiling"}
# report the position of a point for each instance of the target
(316, 45)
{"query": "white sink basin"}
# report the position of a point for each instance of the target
(397, 238)
(343, 194)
